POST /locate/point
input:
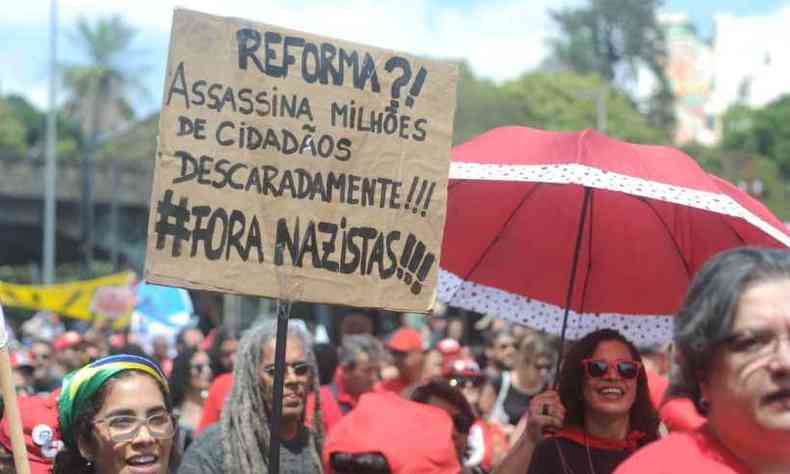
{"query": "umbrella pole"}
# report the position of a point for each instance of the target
(572, 282)
(283, 310)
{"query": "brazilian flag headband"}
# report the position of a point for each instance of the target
(81, 385)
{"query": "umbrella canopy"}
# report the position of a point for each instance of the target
(638, 220)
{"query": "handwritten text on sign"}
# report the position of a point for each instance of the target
(292, 165)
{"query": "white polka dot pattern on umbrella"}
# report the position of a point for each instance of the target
(596, 178)
(640, 329)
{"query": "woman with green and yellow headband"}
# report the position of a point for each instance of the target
(116, 418)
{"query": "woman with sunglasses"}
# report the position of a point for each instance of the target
(115, 417)
(733, 336)
(189, 382)
(608, 412)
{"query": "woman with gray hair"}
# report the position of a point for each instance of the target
(733, 338)
(239, 443)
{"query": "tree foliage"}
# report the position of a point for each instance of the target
(12, 131)
(755, 145)
(614, 38)
(562, 101)
(99, 89)
(763, 131)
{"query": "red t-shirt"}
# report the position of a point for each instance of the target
(413, 437)
(396, 386)
(678, 414)
(690, 451)
(330, 410)
(218, 391)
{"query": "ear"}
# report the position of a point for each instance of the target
(86, 447)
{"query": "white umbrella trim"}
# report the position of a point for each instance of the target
(640, 329)
(596, 178)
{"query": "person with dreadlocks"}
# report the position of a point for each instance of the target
(239, 443)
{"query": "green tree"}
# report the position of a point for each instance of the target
(755, 145)
(481, 106)
(34, 122)
(567, 101)
(563, 101)
(613, 38)
(99, 90)
(12, 132)
(763, 131)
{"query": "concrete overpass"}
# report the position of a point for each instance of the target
(22, 210)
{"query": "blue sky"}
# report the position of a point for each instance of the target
(499, 38)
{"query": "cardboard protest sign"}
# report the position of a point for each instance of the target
(298, 166)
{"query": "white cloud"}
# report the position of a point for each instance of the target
(499, 38)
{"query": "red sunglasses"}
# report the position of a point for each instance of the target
(628, 369)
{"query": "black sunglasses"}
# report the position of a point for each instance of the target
(299, 368)
(628, 369)
(200, 367)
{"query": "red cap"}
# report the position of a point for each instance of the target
(448, 346)
(40, 427)
(405, 340)
(21, 359)
(67, 340)
(463, 368)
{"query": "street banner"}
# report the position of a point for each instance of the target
(106, 297)
(297, 166)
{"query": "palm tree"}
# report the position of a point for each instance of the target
(98, 92)
(98, 89)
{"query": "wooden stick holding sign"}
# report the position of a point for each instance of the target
(11, 405)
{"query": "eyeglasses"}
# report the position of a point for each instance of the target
(200, 367)
(755, 343)
(299, 368)
(465, 382)
(124, 428)
(628, 369)
(462, 423)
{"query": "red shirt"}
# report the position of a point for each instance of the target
(678, 414)
(330, 410)
(332, 401)
(690, 451)
(396, 386)
(217, 393)
(413, 437)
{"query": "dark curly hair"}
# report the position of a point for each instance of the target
(441, 388)
(643, 416)
(70, 461)
(181, 375)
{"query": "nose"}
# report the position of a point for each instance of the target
(143, 435)
(780, 362)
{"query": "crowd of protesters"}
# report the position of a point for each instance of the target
(417, 400)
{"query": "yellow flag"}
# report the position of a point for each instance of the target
(73, 300)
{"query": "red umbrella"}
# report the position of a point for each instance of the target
(548, 227)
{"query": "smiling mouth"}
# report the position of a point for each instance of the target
(778, 396)
(611, 393)
(142, 460)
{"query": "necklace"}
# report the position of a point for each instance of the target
(564, 463)
(589, 456)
